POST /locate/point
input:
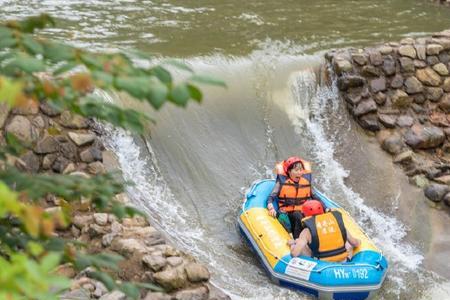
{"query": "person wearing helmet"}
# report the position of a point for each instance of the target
(325, 236)
(292, 189)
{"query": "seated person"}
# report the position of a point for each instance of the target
(292, 189)
(325, 236)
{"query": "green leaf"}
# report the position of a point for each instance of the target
(208, 80)
(7, 42)
(32, 46)
(130, 290)
(5, 33)
(105, 279)
(15, 146)
(6, 55)
(180, 94)
(162, 74)
(57, 52)
(50, 261)
(119, 210)
(149, 286)
(178, 64)
(26, 64)
(102, 78)
(133, 211)
(137, 87)
(65, 67)
(195, 93)
(157, 94)
(36, 22)
(91, 61)
(10, 90)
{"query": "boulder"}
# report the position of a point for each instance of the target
(81, 221)
(378, 85)
(407, 50)
(96, 168)
(48, 161)
(407, 41)
(28, 107)
(387, 120)
(81, 139)
(413, 85)
(196, 272)
(444, 57)
(424, 137)
(400, 99)
(128, 246)
(365, 107)
(428, 77)
(171, 279)
(434, 49)
(68, 149)
(436, 192)
(441, 69)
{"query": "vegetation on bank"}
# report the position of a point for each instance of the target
(34, 70)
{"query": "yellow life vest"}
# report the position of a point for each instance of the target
(328, 236)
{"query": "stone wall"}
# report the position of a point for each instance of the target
(68, 144)
(401, 92)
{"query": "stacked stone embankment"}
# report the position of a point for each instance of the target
(67, 144)
(401, 92)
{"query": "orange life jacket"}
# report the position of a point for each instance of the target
(328, 236)
(292, 194)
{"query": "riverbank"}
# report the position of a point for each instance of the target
(67, 144)
(399, 92)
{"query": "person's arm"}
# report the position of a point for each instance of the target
(272, 196)
(300, 243)
(352, 240)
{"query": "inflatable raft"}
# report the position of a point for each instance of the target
(357, 279)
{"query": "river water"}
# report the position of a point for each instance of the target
(192, 171)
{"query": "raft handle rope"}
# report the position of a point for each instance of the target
(376, 267)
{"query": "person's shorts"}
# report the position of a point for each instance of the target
(283, 218)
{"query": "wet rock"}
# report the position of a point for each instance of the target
(441, 69)
(342, 65)
(49, 110)
(171, 279)
(375, 58)
(359, 58)
(365, 107)
(389, 66)
(432, 60)
(444, 104)
(196, 272)
(421, 52)
(115, 295)
(154, 262)
(435, 192)
(407, 50)
(369, 122)
(424, 137)
(433, 93)
(434, 49)
(446, 85)
(21, 127)
(47, 145)
(378, 85)
(404, 157)
(72, 121)
(387, 120)
(413, 85)
(405, 121)
(400, 99)
(197, 293)
(407, 64)
(393, 144)
(81, 139)
(397, 81)
(428, 77)
(349, 81)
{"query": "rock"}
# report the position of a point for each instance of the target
(359, 58)
(435, 192)
(421, 52)
(443, 179)
(424, 137)
(413, 85)
(81, 139)
(4, 112)
(444, 42)
(446, 199)
(71, 121)
(404, 157)
(100, 289)
(441, 69)
(67, 148)
(48, 161)
(365, 107)
(378, 85)
(32, 162)
(397, 81)
(405, 121)
(78, 294)
(46, 145)
(91, 154)
(171, 279)
(387, 120)
(49, 110)
(419, 180)
(157, 296)
(420, 64)
(96, 168)
(418, 99)
(385, 49)
(370, 71)
(134, 222)
(380, 98)
(375, 58)
(407, 64)
(428, 77)
(407, 50)
(28, 107)
(129, 246)
(196, 272)
(348, 81)
(101, 219)
(197, 293)
(438, 119)
(446, 85)
(393, 144)
(60, 164)
(115, 295)
(444, 57)
(432, 60)
(389, 65)
(434, 49)
(81, 221)
(110, 161)
(38, 122)
(433, 93)
(21, 127)
(69, 168)
(369, 122)
(95, 231)
(407, 41)
(342, 65)
(154, 262)
(400, 99)
(174, 261)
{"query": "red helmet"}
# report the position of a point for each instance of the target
(288, 163)
(312, 208)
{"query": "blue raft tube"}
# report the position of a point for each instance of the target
(358, 279)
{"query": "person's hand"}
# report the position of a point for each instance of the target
(272, 211)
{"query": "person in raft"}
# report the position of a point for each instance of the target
(325, 236)
(292, 189)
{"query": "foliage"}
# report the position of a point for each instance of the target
(33, 69)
